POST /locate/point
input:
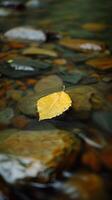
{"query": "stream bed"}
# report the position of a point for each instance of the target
(47, 47)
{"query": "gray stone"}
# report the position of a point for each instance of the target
(22, 67)
(4, 12)
(27, 104)
(103, 119)
(52, 83)
(26, 33)
(6, 115)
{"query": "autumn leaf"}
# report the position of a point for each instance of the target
(53, 105)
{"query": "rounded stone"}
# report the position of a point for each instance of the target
(36, 154)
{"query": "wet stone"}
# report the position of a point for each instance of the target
(96, 27)
(103, 119)
(72, 78)
(51, 83)
(85, 186)
(106, 157)
(35, 154)
(3, 103)
(91, 159)
(82, 45)
(23, 67)
(92, 138)
(16, 44)
(33, 4)
(14, 94)
(26, 33)
(6, 115)
(85, 98)
(109, 98)
(4, 12)
(45, 86)
(2, 92)
(37, 126)
(107, 78)
(20, 121)
(27, 104)
(34, 51)
(104, 63)
(60, 61)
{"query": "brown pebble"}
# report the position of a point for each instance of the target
(7, 85)
(16, 45)
(91, 159)
(109, 98)
(31, 82)
(60, 61)
(20, 121)
(95, 75)
(101, 63)
(19, 83)
(3, 126)
(23, 87)
(2, 92)
(85, 186)
(3, 103)
(3, 55)
(106, 157)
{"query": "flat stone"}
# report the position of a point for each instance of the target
(82, 45)
(35, 154)
(94, 27)
(51, 83)
(34, 51)
(104, 63)
(72, 78)
(25, 33)
(85, 98)
(22, 67)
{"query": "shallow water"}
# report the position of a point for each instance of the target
(78, 19)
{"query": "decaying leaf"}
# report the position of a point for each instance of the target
(53, 105)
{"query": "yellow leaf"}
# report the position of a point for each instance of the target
(53, 105)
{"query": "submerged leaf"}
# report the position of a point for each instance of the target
(53, 105)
